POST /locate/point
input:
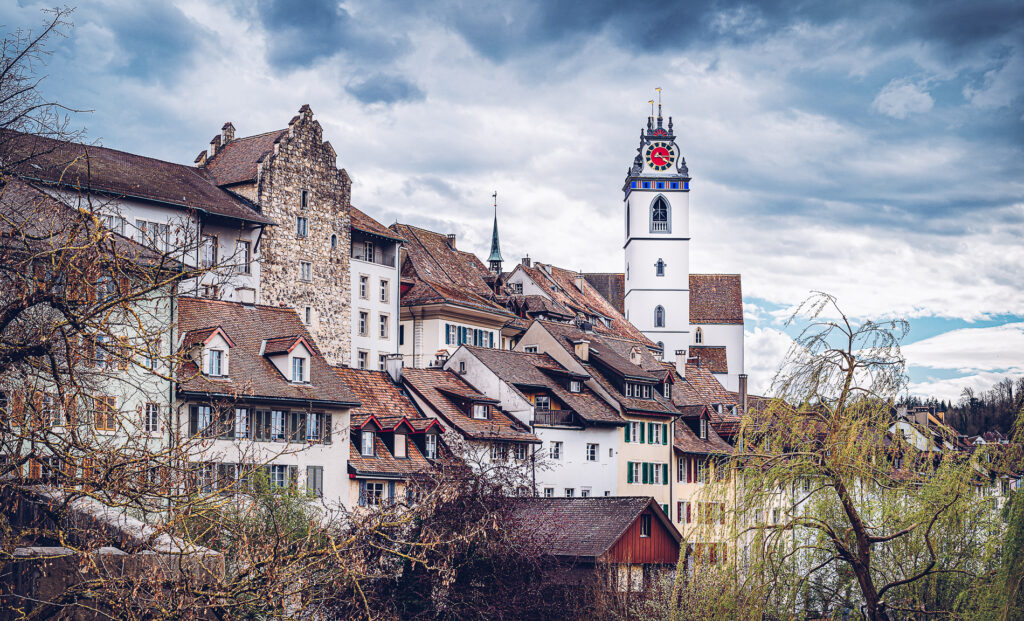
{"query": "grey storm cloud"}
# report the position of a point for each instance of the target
(384, 88)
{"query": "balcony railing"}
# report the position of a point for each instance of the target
(377, 257)
(553, 417)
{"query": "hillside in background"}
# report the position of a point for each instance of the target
(974, 413)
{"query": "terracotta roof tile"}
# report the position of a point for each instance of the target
(584, 528)
(252, 375)
(362, 222)
(235, 162)
(378, 395)
(687, 441)
(527, 369)
(118, 173)
(711, 357)
(435, 385)
(383, 462)
(716, 298)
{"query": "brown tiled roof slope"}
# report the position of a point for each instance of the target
(80, 167)
(235, 162)
(384, 463)
(711, 356)
(716, 298)
(612, 287)
(699, 387)
(520, 368)
(378, 395)
(588, 301)
(362, 222)
(688, 442)
(584, 528)
(435, 385)
(441, 273)
(250, 374)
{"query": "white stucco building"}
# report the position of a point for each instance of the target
(375, 292)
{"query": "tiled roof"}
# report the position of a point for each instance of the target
(252, 375)
(117, 173)
(656, 405)
(525, 369)
(612, 287)
(712, 357)
(716, 298)
(378, 395)
(442, 274)
(435, 386)
(235, 162)
(281, 344)
(688, 442)
(700, 387)
(583, 528)
(384, 463)
(560, 284)
(362, 222)
(532, 305)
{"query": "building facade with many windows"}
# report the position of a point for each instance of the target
(376, 292)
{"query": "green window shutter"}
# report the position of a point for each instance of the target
(646, 468)
(664, 433)
(650, 433)
(641, 426)
(665, 509)
(627, 433)
(664, 474)
(629, 466)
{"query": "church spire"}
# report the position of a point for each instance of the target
(495, 259)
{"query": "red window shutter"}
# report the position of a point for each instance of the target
(721, 511)
(679, 511)
(687, 513)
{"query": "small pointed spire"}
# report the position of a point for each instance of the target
(659, 105)
(495, 259)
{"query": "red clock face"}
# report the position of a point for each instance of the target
(659, 156)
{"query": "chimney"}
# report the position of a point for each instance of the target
(393, 364)
(681, 363)
(526, 260)
(200, 159)
(743, 392)
(582, 349)
(227, 133)
(579, 281)
(441, 357)
(451, 240)
(214, 145)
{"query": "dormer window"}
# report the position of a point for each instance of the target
(366, 445)
(666, 390)
(480, 411)
(703, 429)
(430, 442)
(400, 449)
(575, 386)
(215, 363)
(299, 369)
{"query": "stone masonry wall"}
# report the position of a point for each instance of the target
(303, 161)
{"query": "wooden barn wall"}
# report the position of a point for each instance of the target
(660, 547)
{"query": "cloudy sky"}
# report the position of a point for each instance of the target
(867, 149)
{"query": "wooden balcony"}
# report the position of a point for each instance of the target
(554, 417)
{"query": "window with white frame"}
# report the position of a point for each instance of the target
(374, 494)
(156, 235)
(368, 251)
(299, 369)
(430, 443)
(499, 451)
(362, 357)
(241, 423)
(585, 492)
(703, 429)
(305, 271)
(542, 402)
(364, 287)
(151, 422)
(570, 492)
(315, 481)
(278, 475)
(364, 320)
(656, 471)
(480, 411)
(549, 492)
(592, 451)
(530, 349)
(575, 386)
(366, 444)
(634, 432)
(277, 418)
(556, 450)
(215, 363)
(681, 466)
(307, 315)
(382, 362)
(645, 525)
(400, 439)
(385, 290)
(314, 427)
(383, 327)
(243, 257)
(637, 471)
(655, 434)
(301, 226)
(522, 451)
(660, 216)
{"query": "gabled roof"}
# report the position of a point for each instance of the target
(685, 441)
(253, 375)
(711, 356)
(285, 344)
(80, 167)
(716, 298)
(443, 274)
(203, 336)
(436, 387)
(383, 463)
(584, 528)
(235, 162)
(362, 222)
(521, 369)
(378, 396)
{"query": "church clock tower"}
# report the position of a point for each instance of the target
(657, 198)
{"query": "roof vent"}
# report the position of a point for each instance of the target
(451, 240)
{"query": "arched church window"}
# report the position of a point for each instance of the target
(698, 336)
(659, 268)
(659, 316)
(660, 216)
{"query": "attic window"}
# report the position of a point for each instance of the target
(430, 442)
(299, 370)
(645, 525)
(703, 429)
(366, 444)
(575, 386)
(215, 363)
(480, 411)
(400, 450)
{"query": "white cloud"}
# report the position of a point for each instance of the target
(992, 349)
(764, 351)
(900, 98)
(951, 389)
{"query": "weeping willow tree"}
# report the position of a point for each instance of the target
(831, 510)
